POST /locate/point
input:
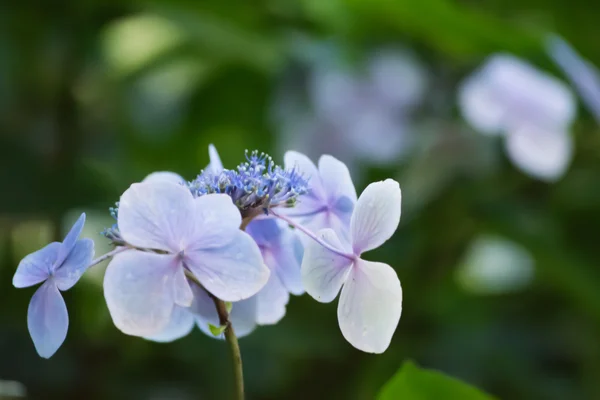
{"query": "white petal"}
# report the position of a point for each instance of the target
(215, 165)
(376, 215)
(545, 155)
(323, 271)
(480, 106)
(216, 222)
(180, 325)
(336, 180)
(164, 176)
(370, 306)
(233, 272)
(139, 289)
(156, 215)
(308, 170)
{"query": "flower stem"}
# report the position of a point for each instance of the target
(234, 348)
(314, 237)
(107, 255)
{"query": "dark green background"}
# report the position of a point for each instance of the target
(76, 130)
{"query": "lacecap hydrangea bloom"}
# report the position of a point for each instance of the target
(223, 252)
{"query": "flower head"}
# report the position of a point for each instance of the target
(532, 109)
(371, 301)
(180, 234)
(331, 195)
(256, 185)
(59, 266)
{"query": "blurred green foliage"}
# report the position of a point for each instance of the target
(94, 95)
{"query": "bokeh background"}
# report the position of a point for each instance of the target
(499, 269)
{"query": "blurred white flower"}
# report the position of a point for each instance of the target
(357, 113)
(495, 265)
(532, 109)
(582, 74)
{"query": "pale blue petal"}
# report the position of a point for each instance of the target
(47, 319)
(164, 176)
(308, 170)
(370, 306)
(180, 325)
(271, 302)
(216, 222)
(376, 215)
(138, 288)
(266, 231)
(70, 239)
(36, 267)
(233, 272)
(243, 317)
(336, 180)
(323, 271)
(182, 291)
(156, 215)
(287, 259)
(75, 265)
(215, 165)
(203, 307)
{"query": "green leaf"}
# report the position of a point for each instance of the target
(216, 330)
(228, 306)
(414, 383)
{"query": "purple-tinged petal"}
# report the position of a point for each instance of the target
(376, 215)
(336, 180)
(156, 215)
(233, 272)
(308, 170)
(285, 260)
(75, 265)
(70, 240)
(215, 165)
(480, 106)
(271, 302)
(182, 291)
(180, 325)
(543, 154)
(243, 317)
(139, 288)
(323, 271)
(37, 266)
(582, 74)
(203, 307)
(164, 176)
(216, 222)
(266, 231)
(370, 306)
(47, 319)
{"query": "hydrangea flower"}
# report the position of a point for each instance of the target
(331, 196)
(371, 296)
(198, 236)
(582, 74)
(531, 109)
(59, 266)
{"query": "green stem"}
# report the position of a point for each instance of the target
(234, 348)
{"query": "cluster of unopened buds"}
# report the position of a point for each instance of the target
(225, 251)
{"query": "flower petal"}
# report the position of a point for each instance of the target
(271, 302)
(480, 107)
(156, 215)
(215, 165)
(47, 319)
(285, 261)
(138, 288)
(376, 215)
(243, 317)
(308, 170)
(545, 155)
(336, 180)
(182, 291)
(233, 272)
(180, 325)
(370, 306)
(216, 221)
(164, 176)
(70, 240)
(75, 265)
(323, 271)
(36, 267)
(203, 307)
